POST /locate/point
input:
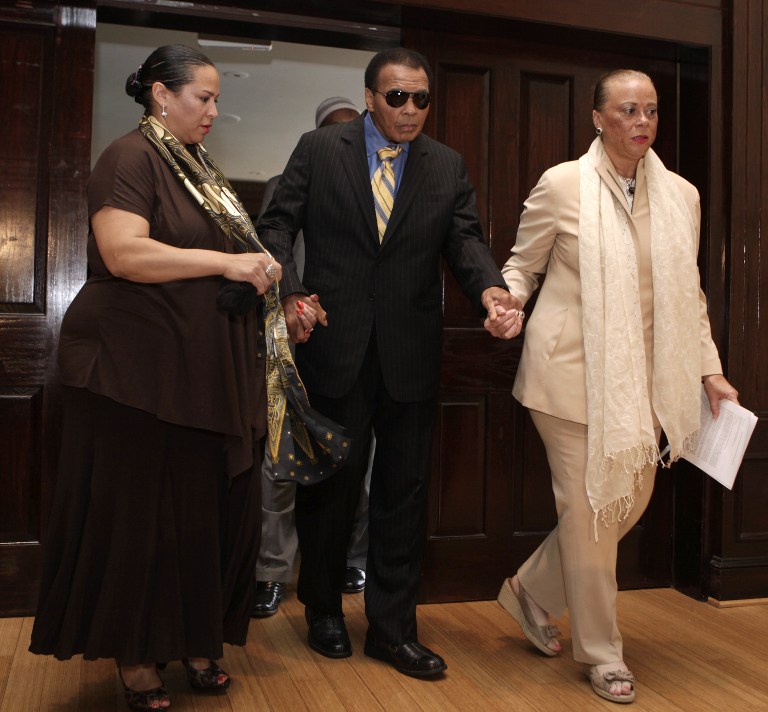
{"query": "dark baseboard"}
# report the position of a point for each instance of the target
(737, 578)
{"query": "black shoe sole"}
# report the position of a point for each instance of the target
(329, 653)
(350, 589)
(264, 614)
(373, 651)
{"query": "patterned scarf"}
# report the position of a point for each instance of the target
(323, 445)
(621, 439)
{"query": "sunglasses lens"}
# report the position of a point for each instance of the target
(397, 98)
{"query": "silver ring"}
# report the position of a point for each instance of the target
(271, 270)
(520, 314)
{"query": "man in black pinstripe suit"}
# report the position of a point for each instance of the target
(373, 363)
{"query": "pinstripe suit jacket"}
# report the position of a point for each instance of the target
(395, 287)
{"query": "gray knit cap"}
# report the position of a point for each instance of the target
(328, 106)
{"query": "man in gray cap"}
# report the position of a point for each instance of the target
(335, 110)
(274, 567)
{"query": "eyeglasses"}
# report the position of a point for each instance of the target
(397, 98)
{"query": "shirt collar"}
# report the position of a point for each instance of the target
(374, 140)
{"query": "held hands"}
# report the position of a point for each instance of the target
(254, 267)
(717, 388)
(505, 313)
(302, 314)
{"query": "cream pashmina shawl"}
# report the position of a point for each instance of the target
(621, 440)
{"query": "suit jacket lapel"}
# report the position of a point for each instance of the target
(413, 176)
(355, 163)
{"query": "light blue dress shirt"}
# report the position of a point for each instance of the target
(373, 142)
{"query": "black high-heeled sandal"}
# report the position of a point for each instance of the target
(207, 680)
(145, 699)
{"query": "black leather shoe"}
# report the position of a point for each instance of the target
(354, 580)
(410, 658)
(328, 635)
(267, 599)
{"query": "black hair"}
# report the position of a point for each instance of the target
(395, 55)
(172, 65)
(601, 91)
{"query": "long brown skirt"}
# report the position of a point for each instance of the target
(150, 550)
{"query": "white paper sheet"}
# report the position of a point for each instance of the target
(721, 444)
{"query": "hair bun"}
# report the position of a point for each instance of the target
(134, 88)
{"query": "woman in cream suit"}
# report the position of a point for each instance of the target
(615, 351)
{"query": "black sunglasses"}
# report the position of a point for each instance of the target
(397, 98)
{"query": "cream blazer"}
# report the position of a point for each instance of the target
(551, 377)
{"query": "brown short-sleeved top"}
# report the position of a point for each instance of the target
(164, 348)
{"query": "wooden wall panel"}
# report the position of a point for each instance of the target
(26, 65)
(46, 52)
(469, 519)
(545, 124)
(23, 67)
(462, 111)
(458, 508)
(20, 457)
(751, 524)
(737, 561)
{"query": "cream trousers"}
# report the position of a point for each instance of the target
(570, 569)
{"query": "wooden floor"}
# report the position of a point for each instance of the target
(685, 654)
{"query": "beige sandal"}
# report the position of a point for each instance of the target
(518, 608)
(601, 684)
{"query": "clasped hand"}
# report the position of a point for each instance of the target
(505, 313)
(302, 314)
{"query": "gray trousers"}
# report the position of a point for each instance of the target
(278, 531)
(279, 541)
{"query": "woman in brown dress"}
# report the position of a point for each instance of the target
(154, 531)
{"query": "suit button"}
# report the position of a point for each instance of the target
(371, 297)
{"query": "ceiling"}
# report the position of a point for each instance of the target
(268, 98)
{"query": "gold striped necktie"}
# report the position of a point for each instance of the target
(383, 185)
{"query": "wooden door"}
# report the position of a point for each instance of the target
(46, 60)
(514, 100)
